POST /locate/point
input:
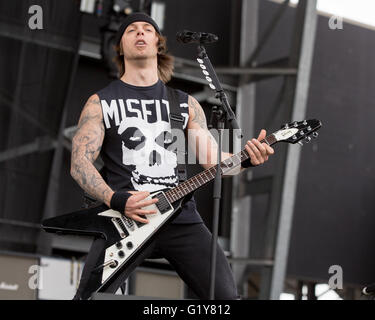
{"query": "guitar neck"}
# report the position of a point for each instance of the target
(207, 175)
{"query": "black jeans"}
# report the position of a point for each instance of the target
(187, 248)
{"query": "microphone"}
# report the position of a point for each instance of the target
(186, 36)
(369, 290)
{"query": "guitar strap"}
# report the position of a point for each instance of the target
(177, 122)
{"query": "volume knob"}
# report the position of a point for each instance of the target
(119, 245)
(129, 245)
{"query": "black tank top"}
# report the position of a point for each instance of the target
(136, 121)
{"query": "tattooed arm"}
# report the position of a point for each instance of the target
(86, 147)
(200, 138)
(205, 146)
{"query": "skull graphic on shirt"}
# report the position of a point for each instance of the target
(145, 146)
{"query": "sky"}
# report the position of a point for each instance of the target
(362, 11)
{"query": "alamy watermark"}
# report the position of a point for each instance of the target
(336, 280)
(36, 280)
(36, 19)
(336, 23)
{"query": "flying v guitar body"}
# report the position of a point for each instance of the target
(124, 237)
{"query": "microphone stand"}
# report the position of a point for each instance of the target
(211, 77)
(225, 113)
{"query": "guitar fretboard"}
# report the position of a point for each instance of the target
(207, 175)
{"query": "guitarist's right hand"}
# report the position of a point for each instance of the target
(136, 202)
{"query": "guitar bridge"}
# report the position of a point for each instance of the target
(120, 226)
(163, 204)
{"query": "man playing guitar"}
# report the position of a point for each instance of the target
(127, 123)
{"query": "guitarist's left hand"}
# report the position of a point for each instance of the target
(259, 152)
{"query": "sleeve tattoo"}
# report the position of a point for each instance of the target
(86, 146)
(198, 116)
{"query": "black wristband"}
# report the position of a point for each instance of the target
(118, 201)
(247, 163)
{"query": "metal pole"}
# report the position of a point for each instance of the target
(289, 186)
(216, 210)
(245, 111)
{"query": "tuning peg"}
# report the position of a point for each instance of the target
(315, 134)
(308, 139)
(295, 124)
(300, 143)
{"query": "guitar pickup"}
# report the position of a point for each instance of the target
(140, 224)
(163, 204)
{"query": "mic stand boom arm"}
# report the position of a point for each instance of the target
(214, 82)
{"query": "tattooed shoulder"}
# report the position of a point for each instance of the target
(89, 136)
(197, 113)
(91, 111)
(94, 99)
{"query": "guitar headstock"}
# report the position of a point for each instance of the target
(296, 131)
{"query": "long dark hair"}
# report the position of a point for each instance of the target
(165, 60)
